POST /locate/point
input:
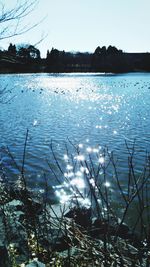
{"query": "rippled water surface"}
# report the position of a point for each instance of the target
(91, 110)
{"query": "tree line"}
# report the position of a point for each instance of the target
(27, 58)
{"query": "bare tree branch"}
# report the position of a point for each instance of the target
(12, 20)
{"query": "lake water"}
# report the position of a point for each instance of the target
(90, 110)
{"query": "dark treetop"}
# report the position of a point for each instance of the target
(26, 58)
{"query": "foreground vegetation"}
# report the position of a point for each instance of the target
(87, 227)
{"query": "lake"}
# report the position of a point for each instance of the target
(91, 111)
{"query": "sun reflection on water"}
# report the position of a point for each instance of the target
(79, 179)
(88, 110)
(78, 182)
(76, 90)
(101, 160)
(107, 184)
(80, 157)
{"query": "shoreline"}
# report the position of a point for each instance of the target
(75, 72)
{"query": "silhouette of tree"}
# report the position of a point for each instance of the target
(103, 50)
(47, 55)
(107, 59)
(28, 52)
(112, 50)
(55, 60)
(33, 52)
(26, 58)
(61, 61)
(97, 51)
(97, 59)
(12, 49)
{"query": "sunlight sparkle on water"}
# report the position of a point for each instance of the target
(98, 126)
(80, 157)
(85, 202)
(80, 145)
(92, 150)
(78, 173)
(78, 182)
(61, 194)
(95, 150)
(84, 169)
(68, 175)
(101, 160)
(107, 184)
(66, 157)
(92, 182)
(71, 88)
(89, 149)
(115, 108)
(69, 167)
(35, 122)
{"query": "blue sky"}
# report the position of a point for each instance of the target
(82, 25)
